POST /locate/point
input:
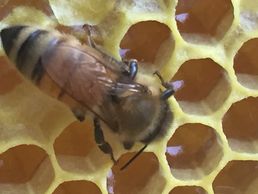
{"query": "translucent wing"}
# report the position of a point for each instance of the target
(86, 75)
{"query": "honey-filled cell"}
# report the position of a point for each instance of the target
(237, 177)
(76, 150)
(188, 190)
(25, 166)
(246, 64)
(76, 139)
(240, 125)
(193, 151)
(77, 187)
(205, 86)
(147, 41)
(142, 176)
(203, 20)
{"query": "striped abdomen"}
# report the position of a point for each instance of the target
(58, 64)
(24, 47)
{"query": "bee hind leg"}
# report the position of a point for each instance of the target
(100, 140)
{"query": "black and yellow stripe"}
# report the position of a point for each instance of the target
(25, 46)
(9, 36)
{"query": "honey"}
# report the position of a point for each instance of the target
(211, 145)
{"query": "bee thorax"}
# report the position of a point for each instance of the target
(138, 117)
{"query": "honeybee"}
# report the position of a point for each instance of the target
(87, 78)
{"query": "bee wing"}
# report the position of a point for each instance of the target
(84, 74)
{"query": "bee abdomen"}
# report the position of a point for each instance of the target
(8, 36)
(24, 46)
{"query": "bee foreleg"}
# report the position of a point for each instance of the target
(167, 93)
(100, 140)
(133, 67)
(165, 84)
(171, 87)
(91, 42)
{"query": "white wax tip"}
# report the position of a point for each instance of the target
(177, 84)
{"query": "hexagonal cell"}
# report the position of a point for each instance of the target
(142, 176)
(76, 150)
(148, 42)
(78, 187)
(193, 151)
(240, 125)
(237, 177)
(204, 20)
(7, 6)
(246, 64)
(205, 86)
(9, 77)
(188, 190)
(25, 168)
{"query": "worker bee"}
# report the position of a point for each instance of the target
(86, 78)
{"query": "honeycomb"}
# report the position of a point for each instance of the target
(211, 146)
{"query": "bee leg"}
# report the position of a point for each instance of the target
(100, 140)
(165, 84)
(79, 114)
(171, 87)
(133, 68)
(91, 42)
(167, 93)
(89, 29)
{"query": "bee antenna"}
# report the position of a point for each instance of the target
(134, 157)
(163, 83)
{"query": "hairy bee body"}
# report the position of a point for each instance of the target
(87, 79)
